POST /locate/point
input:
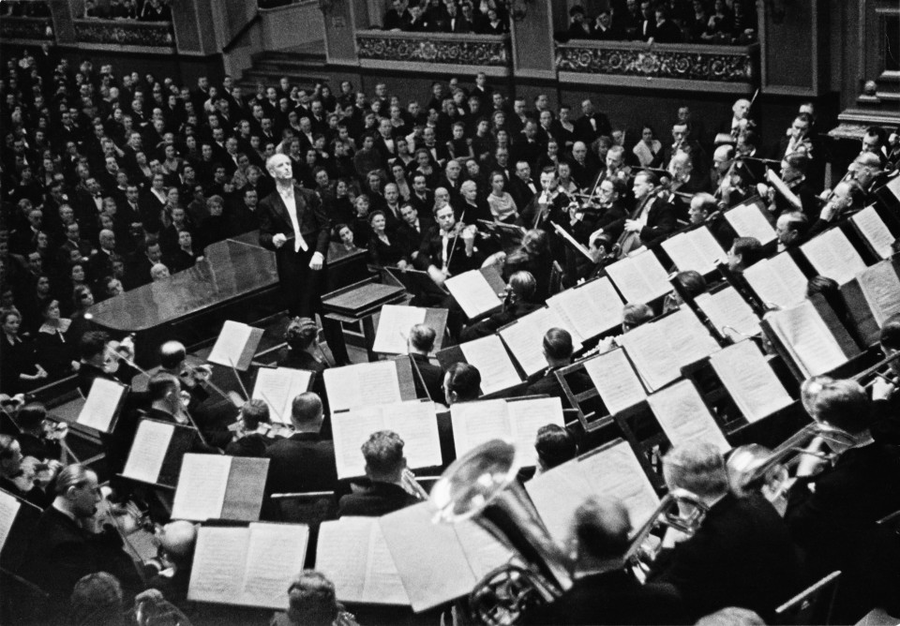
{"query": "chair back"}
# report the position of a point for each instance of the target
(310, 508)
(813, 605)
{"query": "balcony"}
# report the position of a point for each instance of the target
(26, 30)
(718, 69)
(442, 53)
(125, 35)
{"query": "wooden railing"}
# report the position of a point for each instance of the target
(128, 33)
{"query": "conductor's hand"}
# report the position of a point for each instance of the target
(317, 260)
(278, 240)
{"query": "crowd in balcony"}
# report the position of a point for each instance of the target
(141, 10)
(724, 22)
(482, 17)
(25, 8)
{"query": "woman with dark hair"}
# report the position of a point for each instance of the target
(503, 207)
(649, 149)
(82, 300)
(384, 250)
(53, 347)
(18, 370)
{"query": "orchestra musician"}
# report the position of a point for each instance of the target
(388, 475)
(557, 350)
(519, 300)
(449, 248)
(651, 220)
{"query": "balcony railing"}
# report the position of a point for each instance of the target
(665, 66)
(434, 52)
(26, 28)
(125, 33)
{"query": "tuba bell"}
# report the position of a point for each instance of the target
(482, 486)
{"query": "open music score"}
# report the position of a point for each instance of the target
(489, 355)
(872, 297)
(616, 381)
(220, 487)
(465, 551)
(874, 231)
(832, 255)
(354, 555)
(777, 281)
(156, 452)
(748, 220)
(640, 278)
(278, 387)
(476, 291)
(589, 309)
(750, 381)
(611, 470)
(517, 420)
(9, 508)
(525, 336)
(364, 384)
(17, 521)
(394, 324)
(103, 404)
(235, 345)
(684, 416)
(729, 312)
(247, 566)
(415, 422)
(695, 249)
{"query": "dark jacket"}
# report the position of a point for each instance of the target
(303, 462)
(380, 499)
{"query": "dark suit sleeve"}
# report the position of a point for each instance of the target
(665, 223)
(268, 224)
(316, 220)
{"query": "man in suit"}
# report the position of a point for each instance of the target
(428, 377)
(557, 349)
(304, 461)
(293, 223)
(740, 556)
(591, 124)
(386, 469)
(654, 217)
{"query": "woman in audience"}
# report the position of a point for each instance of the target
(82, 300)
(398, 174)
(503, 207)
(385, 250)
(649, 149)
(54, 348)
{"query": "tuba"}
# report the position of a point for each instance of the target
(482, 486)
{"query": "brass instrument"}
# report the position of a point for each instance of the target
(482, 486)
(878, 370)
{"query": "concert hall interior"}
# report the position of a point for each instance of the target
(432, 312)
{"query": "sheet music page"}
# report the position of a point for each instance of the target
(875, 231)
(201, 487)
(394, 325)
(590, 309)
(492, 360)
(230, 344)
(616, 472)
(652, 357)
(278, 387)
(689, 340)
(416, 423)
(750, 380)
(342, 552)
(9, 508)
(148, 451)
(351, 429)
(881, 288)
(810, 340)
(483, 550)
(473, 293)
(526, 417)
(615, 380)
(694, 250)
(556, 494)
(777, 280)
(382, 582)
(832, 255)
(477, 422)
(102, 402)
(428, 555)
(362, 384)
(680, 411)
(640, 278)
(218, 571)
(727, 308)
(525, 340)
(275, 555)
(748, 221)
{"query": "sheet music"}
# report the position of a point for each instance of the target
(351, 429)
(477, 422)
(490, 357)
(881, 288)
(688, 339)
(727, 308)
(640, 278)
(201, 487)
(694, 250)
(416, 423)
(278, 387)
(616, 381)
(230, 344)
(777, 280)
(873, 228)
(363, 384)
(394, 325)
(9, 508)
(382, 581)
(218, 564)
(526, 417)
(751, 382)
(101, 405)
(483, 551)
(525, 338)
(808, 338)
(342, 553)
(680, 411)
(473, 293)
(748, 221)
(590, 309)
(832, 255)
(148, 451)
(274, 556)
(556, 494)
(617, 473)
(652, 357)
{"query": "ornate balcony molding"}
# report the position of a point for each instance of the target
(671, 66)
(20, 28)
(433, 51)
(125, 33)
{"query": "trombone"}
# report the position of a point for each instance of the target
(881, 369)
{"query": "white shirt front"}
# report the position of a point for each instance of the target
(287, 196)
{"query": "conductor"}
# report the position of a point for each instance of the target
(293, 223)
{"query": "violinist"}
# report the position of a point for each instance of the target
(172, 360)
(100, 359)
(519, 300)
(793, 173)
(449, 247)
(253, 431)
(20, 476)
